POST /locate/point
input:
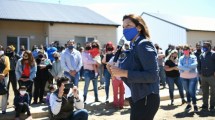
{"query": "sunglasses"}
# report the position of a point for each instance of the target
(25, 55)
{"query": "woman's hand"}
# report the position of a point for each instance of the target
(117, 72)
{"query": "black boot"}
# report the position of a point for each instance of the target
(85, 97)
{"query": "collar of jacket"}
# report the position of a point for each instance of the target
(141, 37)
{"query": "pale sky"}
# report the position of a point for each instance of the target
(115, 9)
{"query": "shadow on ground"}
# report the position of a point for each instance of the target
(100, 109)
(191, 114)
(169, 107)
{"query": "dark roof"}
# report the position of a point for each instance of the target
(188, 23)
(46, 12)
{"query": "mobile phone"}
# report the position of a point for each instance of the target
(68, 85)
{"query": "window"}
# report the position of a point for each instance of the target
(82, 40)
(17, 42)
(90, 39)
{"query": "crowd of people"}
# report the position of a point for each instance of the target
(185, 67)
(142, 66)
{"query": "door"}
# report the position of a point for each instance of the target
(23, 41)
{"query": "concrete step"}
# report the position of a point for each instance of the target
(37, 111)
(40, 112)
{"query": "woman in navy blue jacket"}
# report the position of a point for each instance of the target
(139, 69)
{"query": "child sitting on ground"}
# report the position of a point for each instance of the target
(51, 90)
(21, 103)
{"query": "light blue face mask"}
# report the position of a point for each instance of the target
(130, 33)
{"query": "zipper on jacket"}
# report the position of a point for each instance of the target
(146, 101)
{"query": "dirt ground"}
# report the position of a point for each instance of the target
(102, 111)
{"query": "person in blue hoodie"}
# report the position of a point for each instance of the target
(21, 103)
(51, 49)
(139, 70)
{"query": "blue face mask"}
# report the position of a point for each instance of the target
(205, 49)
(70, 47)
(130, 33)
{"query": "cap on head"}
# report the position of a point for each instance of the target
(11, 47)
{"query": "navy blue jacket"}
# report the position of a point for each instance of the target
(21, 99)
(206, 65)
(141, 63)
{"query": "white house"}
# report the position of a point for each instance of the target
(166, 29)
(33, 23)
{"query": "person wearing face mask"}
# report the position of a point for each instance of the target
(95, 53)
(57, 69)
(206, 68)
(161, 57)
(13, 57)
(64, 100)
(187, 65)
(50, 50)
(107, 76)
(172, 74)
(89, 72)
(26, 69)
(4, 77)
(42, 76)
(139, 69)
(22, 50)
(71, 62)
(197, 53)
(21, 103)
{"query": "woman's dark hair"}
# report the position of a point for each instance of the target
(95, 44)
(208, 44)
(31, 60)
(138, 21)
(61, 80)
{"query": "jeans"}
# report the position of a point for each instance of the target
(101, 73)
(75, 79)
(177, 81)
(79, 115)
(190, 88)
(107, 82)
(162, 75)
(89, 75)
